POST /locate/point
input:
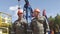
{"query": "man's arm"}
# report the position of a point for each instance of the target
(47, 25)
(14, 27)
(31, 26)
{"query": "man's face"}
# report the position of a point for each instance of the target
(36, 14)
(20, 15)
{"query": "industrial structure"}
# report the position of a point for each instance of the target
(5, 23)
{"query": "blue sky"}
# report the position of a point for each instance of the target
(10, 6)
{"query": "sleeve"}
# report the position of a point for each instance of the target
(25, 24)
(14, 27)
(25, 21)
(47, 25)
(32, 26)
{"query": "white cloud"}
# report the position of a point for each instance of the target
(15, 9)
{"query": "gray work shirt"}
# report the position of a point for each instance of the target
(19, 26)
(37, 25)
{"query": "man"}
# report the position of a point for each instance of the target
(38, 24)
(19, 25)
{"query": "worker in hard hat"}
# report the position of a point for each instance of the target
(47, 21)
(38, 23)
(19, 25)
